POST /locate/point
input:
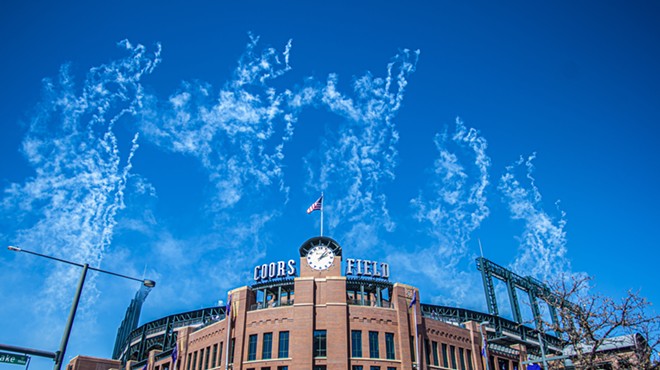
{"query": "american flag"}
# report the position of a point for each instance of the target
(316, 206)
(228, 307)
(414, 300)
(175, 353)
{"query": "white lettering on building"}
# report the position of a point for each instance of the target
(274, 270)
(367, 268)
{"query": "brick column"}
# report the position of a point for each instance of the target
(303, 316)
(522, 351)
(337, 322)
(406, 328)
(239, 299)
(476, 342)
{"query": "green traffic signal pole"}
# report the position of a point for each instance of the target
(28, 351)
(59, 355)
(69, 322)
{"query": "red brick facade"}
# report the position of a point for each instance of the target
(322, 305)
(324, 321)
(92, 363)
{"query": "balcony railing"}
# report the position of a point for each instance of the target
(368, 302)
(263, 306)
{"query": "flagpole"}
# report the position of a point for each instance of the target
(416, 335)
(321, 215)
(228, 317)
(413, 304)
(484, 345)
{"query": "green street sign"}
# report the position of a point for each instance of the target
(10, 358)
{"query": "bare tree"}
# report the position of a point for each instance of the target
(602, 332)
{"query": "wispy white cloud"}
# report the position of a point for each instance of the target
(237, 133)
(542, 252)
(363, 155)
(68, 207)
(450, 210)
(458, 202)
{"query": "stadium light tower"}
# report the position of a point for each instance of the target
(76, 299)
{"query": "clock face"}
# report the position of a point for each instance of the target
(320, 257)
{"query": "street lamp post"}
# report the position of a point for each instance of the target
(76, 299)
(485, 347)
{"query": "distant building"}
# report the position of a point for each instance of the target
(93, 363)
(616, 353)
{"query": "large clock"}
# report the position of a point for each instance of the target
(320, 257)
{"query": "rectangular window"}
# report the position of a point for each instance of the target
(461, 358)
(389, 346)
(201, 358)
(232, 345)
(413, 350)
(435, 353)
(373, 344)
(356, 367)
(283, 345)
(206, 359)
(189, 360)
(222, 345)
(267, 349)
(391, 368)
(374, 368)
(356, 343)
(282, 368)
(469, 358)
(445, 359)
(452, 352)
(320, 343)
(215, 355)
(252, 347)
(319, 367)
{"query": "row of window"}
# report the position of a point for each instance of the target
(374, 350)
(355, 367)
(323, 367)
(448, 356)
(320, 345)
(267, 346)
(211, 355)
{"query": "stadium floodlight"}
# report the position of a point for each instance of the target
(59, 355)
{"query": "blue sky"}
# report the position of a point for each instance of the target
(184, 143)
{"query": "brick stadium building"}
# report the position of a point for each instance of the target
(311, 314)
